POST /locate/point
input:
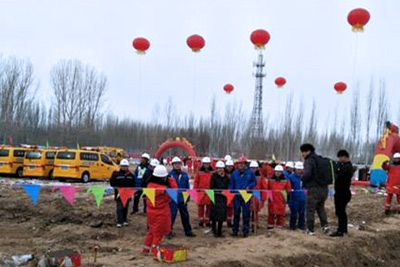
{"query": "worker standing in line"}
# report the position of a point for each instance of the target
(202, 182)
(139, 173)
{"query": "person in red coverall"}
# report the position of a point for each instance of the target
(277, 206)
(158, 216)
(256, 205)
(393, 182)
(229, 169)
(202, 181)
(267, 171)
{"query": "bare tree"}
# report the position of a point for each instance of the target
(382, 107)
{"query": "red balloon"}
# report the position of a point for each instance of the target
(358, 18)
(195, 42)
(228, 88)
(340, 87)
(260, 38)
(141, 45)
(280, 82)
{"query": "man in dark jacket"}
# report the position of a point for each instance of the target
(139, 173)
(317, 191)
(344, 173)
(122, 178)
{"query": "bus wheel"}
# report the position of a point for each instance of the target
(19, 172)
(85, 177)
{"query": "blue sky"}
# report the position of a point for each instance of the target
(311, 44)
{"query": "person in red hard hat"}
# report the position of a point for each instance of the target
(393, 182)
(159, 215)
(280, 188)
(241, 179)
(202, 181)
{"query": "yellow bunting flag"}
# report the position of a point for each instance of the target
(151, 194)
(246, 196)
(185, 196)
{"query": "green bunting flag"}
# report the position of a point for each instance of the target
(284, 194)
(98, 193)
(210, 194)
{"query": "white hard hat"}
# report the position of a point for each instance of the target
(206, 160)
(299, 165)
(220, 164)
(176, 160)
(396, 156)
(229, 162)
(124, 162)
(278, 168)
(146, 156)
(253, 164)
(160, 171)
(290, 164)
(227, 157)
(154, 162)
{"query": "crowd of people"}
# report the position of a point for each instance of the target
(302, 186)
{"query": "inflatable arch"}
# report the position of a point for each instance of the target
(177, 143)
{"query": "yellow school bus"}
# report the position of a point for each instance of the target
(39, 163)
(83, 164)
(12, 160)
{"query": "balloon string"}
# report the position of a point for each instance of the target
(194, 84)
(140, 87)
(355, 61)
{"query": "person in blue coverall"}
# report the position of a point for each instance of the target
(297, 200)
(241, 179)
(182, 180)
(289, 169)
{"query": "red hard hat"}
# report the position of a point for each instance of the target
(242, 159)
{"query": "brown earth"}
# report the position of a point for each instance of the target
(53, 224)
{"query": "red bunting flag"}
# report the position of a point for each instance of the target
(193, 194)
(229, 196)
(270, 195)
(68, 191)
(125, 193)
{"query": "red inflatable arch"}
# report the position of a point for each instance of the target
(177, 143)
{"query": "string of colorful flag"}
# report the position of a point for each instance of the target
(98, 192)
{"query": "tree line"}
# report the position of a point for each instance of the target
(75, 116)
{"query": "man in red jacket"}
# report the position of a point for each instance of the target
(202, 181)
(159, 215)
(256, 204)
(393, 182)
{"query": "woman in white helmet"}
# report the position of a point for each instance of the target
(159, 215)
(202, 182)
(219, 182)
(229, 169)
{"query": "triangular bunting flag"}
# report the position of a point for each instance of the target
(193, 194)
(210, 194)
(284, 194)
(229, 196)
(125, 193)
(257, 194)
(98, 193)
(246, 196)
(173, 194)
(151, 194)
(185, 196)
(270, 196)
(33, 191)
(68, 191)
(331, 192)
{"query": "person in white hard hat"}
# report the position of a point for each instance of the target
(153, 163)
(297, 200)
(202, 181)
(218, 211)
(256, 204)
(393, 182)
(159, 215)
(277, 206)
(289, 169)
(122, 178)
(139, 173)
(227, 157)
(182, 180)
(229, 169)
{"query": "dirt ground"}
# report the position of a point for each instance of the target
(373, 240)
